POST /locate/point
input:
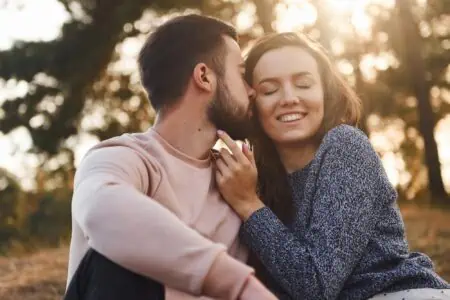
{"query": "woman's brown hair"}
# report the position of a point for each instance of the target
(341, 106)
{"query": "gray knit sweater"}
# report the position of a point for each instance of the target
(347, 240)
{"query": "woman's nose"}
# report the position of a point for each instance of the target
(289, 97)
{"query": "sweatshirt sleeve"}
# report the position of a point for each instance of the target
(350, 193)
(121, 222)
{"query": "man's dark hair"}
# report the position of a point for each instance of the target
(169, 55)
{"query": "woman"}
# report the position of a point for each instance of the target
(320, 216)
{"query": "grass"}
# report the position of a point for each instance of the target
(428, 231)
(42, 276)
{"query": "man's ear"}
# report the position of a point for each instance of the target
(204, 78)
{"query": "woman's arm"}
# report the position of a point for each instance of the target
(350, 193)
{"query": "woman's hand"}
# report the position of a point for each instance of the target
(254, 289)
(236, 177)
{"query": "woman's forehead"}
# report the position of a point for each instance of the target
(285, 61)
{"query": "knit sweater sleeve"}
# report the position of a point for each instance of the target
(350, 191)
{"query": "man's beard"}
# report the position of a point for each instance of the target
(228, 116)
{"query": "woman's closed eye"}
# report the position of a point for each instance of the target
(269, 92)
(303, 83)
(268, 89)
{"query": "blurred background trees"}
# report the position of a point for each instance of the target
(69, 92)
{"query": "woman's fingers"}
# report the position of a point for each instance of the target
(222, 167)
(232, 145)
(228, 158)
(249, 154)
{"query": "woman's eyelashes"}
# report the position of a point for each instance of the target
(303, 83)
(267, 91)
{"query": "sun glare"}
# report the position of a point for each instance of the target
(441, 133)
(30, 21)
(349, 6)
(345, 6)
(246, 17)
(294, 14)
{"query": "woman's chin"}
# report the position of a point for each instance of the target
(293, 138)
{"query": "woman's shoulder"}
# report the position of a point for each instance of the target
(346, 155)
(343, 134)
(347, 143)
(349, 139)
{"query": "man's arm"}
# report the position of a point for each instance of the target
(135, 231)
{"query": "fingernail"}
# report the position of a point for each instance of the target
(245, 147)
(220, 132)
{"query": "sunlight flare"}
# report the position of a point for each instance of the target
(294, 14)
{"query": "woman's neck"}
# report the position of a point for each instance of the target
(296, 156)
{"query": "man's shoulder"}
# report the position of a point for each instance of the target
(126, 157)
(138, 145)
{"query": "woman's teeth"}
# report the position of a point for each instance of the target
(290, 117)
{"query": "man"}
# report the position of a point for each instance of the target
(145, 205)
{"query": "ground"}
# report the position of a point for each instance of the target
(41, 276)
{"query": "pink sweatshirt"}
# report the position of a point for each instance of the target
(154, 210)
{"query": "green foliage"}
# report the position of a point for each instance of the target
(50, 223)
(12, 212)
(29, 220)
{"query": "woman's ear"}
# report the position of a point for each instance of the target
(204, 77)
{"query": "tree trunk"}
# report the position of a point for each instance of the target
(413, 60)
